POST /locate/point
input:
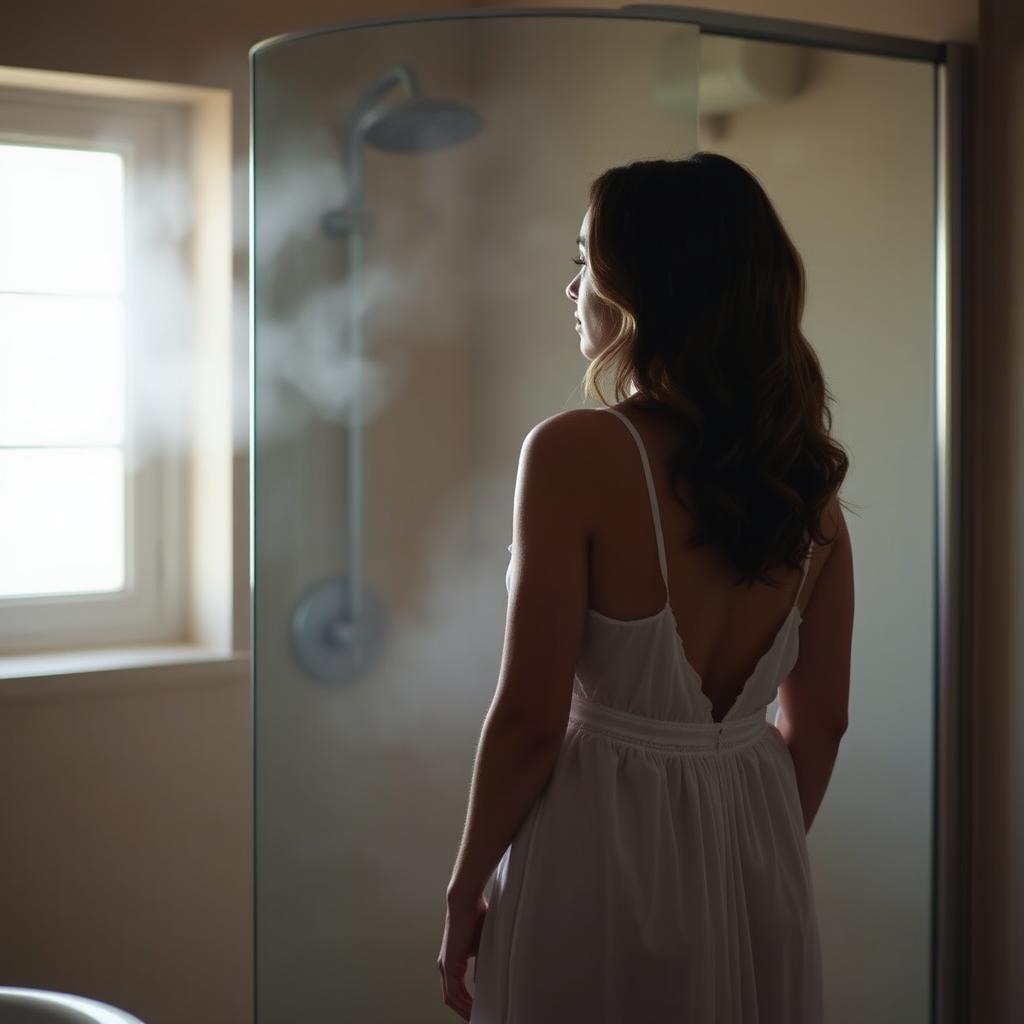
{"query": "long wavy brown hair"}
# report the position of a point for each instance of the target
(706, 292)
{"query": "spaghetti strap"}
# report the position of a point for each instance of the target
(655, 514)
(807, 565)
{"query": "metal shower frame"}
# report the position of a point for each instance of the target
(951, 967)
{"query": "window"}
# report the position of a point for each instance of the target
(100, 329)
(62, 313)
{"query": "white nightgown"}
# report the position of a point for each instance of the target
(662, 876)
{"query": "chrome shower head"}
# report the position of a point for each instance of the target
(420, 124)
(417, 124)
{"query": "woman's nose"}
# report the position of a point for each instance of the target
(569, 289)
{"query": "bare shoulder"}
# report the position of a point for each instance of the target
(574, 437)
(833, 524)
(569, 449)
(570, 423)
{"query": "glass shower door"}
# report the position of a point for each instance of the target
(417, 190)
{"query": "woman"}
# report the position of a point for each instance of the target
(647, 824)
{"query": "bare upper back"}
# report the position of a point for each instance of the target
(724, 627)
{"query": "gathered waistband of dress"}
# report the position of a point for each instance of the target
(659, 734)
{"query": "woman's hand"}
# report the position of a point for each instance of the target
(463, 927)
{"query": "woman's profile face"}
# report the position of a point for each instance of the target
(592, 321)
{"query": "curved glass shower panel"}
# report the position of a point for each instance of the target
(417, 192)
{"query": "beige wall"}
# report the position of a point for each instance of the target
(136, 801)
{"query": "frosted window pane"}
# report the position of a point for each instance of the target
(61, 370)
(61, 220)
(61, 522)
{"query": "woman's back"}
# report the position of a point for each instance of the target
(724, 627)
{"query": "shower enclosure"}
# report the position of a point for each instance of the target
(417, 186)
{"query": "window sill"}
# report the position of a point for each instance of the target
(132, 668)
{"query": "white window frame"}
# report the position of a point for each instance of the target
(153, 139)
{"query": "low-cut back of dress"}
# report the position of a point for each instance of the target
(662, 875)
